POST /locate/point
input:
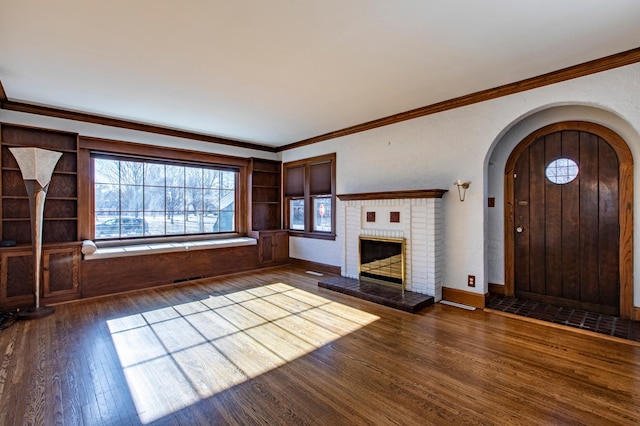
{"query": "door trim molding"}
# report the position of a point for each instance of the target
(625, 206)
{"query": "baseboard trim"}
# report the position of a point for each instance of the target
(465, 297)
(636, 313)
(496, 289)
(315, 266)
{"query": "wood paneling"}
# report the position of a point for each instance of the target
(113, 275)
(60, 275)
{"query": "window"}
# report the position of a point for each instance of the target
(562, 170)
(139, 198)
(309, 192)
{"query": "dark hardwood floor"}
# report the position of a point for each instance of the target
(273, 348)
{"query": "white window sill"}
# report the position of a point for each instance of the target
(144, 249)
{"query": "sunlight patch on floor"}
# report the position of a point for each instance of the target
(176, 356)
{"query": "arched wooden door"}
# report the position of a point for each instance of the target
(568, 195)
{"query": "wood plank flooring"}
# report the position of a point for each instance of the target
(273, 348)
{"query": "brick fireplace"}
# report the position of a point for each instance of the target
(412, 216)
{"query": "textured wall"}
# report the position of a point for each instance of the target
(472, 143)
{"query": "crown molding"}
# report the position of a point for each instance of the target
(125, 124)
(592, 67)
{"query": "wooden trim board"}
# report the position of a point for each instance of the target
(465, 297)
(315, 266)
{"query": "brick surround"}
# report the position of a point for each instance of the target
(420, 224)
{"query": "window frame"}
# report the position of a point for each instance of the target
(309, 198)
(94, 147)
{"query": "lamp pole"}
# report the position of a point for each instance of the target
(37, 167)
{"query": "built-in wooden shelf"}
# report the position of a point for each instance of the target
(60, 221)
(394, 195)
(265, 197)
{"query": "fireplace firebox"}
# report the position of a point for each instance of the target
(382, 260)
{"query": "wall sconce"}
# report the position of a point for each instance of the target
(462, 188)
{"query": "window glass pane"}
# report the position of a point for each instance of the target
(211, 200)
(154, 198)
(175, 175)
(296, 214)
(194, 200)
(106, 171)
(154, 174)
(562, 170)
(107, 197)
(228, 180)
(227, 198)
(175, 222)
(134, 225)
(174, 199)
(210, 178)
(131, 198)
(322, 214)
(226, 218)
(194, 177)
(107, 226)
(131, 173)
(155, 222)
(193, 214)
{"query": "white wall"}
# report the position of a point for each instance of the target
(471, 143)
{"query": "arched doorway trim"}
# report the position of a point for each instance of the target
(625, 205)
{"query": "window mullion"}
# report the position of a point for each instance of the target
(308, 206)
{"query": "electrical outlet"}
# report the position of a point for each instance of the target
(471, 280)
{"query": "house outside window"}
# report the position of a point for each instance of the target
(309, 193)
(136, 198)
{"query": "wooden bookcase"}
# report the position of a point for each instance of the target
(61, 248)
(61, 205)
(265, 194)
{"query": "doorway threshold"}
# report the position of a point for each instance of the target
(576, 318)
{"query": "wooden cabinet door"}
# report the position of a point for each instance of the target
(16, 279)
(266, 248)
(60, 272)
(281, 248)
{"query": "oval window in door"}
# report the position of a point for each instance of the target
(562, 170)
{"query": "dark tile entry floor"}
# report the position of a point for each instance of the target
(599, 323)
(377, 293)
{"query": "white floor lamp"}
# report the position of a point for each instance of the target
(37, 167)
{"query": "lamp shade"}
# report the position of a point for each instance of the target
(36, 164)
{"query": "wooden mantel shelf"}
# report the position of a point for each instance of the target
(394, 195)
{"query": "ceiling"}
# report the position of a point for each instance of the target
(282, 71)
